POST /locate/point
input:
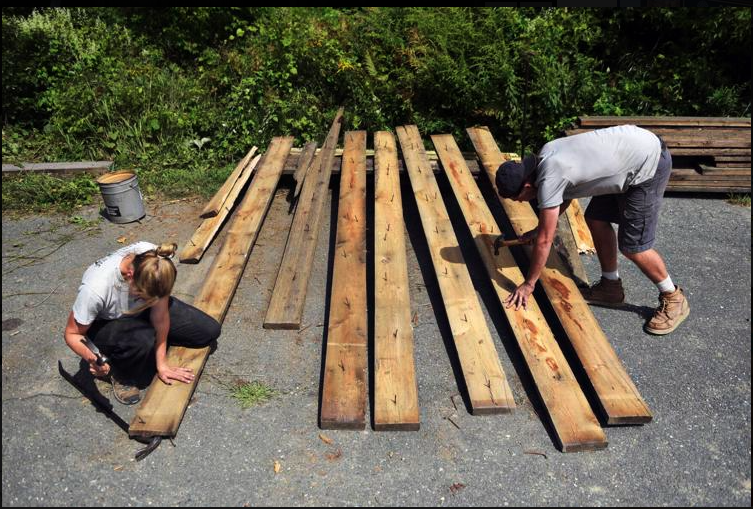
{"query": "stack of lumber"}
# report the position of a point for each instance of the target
(710, 154)
(346, 360)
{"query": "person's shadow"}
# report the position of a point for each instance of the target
(644, 312)
(85, 380)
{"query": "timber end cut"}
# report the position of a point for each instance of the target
(282, 325)
(583, 447)
(628, 420)
(356, 425)
(490, 408)
(404, 426)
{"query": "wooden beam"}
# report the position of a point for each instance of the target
(732, 165)
(61, 168)
(485, 379)
(714, 170)
(619, 398)
(289, 295)
(215, 204)
(580, 229)
(736, 159)
(344, 384)
(691, 138)
(395, 387)
(689, 174)
(162, 410)
(568, 250)
(732, 187)
(575, 425)
(607, 121)
(709, 151)
(207, 230)
(304, 163)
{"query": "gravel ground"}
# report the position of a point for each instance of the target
(57, 450)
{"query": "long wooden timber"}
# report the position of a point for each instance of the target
(304, 163)
(617, 395)
(691, 137)
(710, 180)
(608, 121)
(579, 227)
(564, 243)
(61, 168)
(395, 387)
(485, 379)
(575, 425)
(708, 151)
(207, 230)
(709, 174)
(163, 407)
(215, 204)
(289, 295)
(344, 385)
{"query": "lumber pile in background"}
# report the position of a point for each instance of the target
(709, 154)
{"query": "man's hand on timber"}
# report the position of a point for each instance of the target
(520, 296)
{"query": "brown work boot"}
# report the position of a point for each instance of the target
(607, 292)
(673, 309)
(125, 392)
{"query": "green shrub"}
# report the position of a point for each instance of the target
(145, 86)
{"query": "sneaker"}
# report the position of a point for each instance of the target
(673, 309)
(607, 292)
(125, 392)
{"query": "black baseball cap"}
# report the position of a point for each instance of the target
(511, 175)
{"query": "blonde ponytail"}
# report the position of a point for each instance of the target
(167, 249)
(154, 275)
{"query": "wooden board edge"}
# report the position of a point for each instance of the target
(281, 325)
(397, 426)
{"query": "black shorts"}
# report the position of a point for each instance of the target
(636, 211)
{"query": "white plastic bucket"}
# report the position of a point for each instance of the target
(122, 196)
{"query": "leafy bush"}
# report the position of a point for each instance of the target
(180, 94)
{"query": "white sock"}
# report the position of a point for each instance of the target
(614, 276)
(666, 286)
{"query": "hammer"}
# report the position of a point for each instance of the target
(501, 242)
(101, 358)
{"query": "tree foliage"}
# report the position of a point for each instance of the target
(145, 85)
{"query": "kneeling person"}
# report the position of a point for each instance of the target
(124, 307)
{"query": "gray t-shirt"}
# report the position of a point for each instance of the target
(104, 292)
(604, 161)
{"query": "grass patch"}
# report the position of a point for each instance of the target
(739, 199)
(84, 223)
(249, 394)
